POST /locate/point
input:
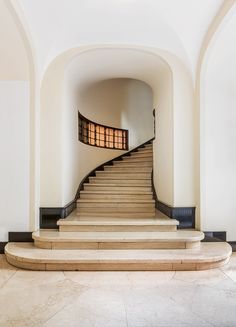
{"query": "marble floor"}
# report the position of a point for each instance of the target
(117, 299)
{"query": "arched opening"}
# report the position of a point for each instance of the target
(75, 70)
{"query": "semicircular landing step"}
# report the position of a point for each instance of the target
(207, 256)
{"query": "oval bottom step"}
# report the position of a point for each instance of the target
(207, 256)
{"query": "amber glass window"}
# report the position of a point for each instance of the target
(94, 134)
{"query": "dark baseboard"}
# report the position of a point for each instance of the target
(2, 246)
(233, 244)
(215, 236)
(50, 216)
(20, 237)
(16, 237)
(185, 215)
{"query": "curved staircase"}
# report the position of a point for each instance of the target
(116, 227)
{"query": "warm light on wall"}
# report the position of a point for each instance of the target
(102, 136)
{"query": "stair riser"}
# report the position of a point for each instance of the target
(141, 155)
(133, 228)
(95, 180)
(126, 163)
(116, 196)
(116, 214)
(132, 265)
(116, 205)
(128, 169)
(138, 160)
(113, 210)
(94, 187)
(143, 150)
(113, 245)
(123, 175)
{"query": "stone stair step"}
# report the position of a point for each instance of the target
(117, 187)
(135, 169)
(123, 175)
(207, 256)
(131, 202)
(117, 195)
(131, 159)
(112, 180)
(115, 214)
(144, 150)
(115, 209)
(126, 163)
(111, 224)
(117, 240)
(141, 155)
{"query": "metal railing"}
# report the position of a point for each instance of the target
(102, 136)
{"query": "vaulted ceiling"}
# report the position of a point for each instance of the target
(176, 26)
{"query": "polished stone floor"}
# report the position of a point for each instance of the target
(117, 299)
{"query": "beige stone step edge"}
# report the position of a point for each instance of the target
(208, 256)
(127, 169)
(123, 186)
(115, 197)
(117, 240)
(117, 192)
(115, 228)
(125, 214)
(74, 220)
(125, 201)
(148, 237)
(126, 224)
(115, 245)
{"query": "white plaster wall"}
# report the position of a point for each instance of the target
(122, 103)
(163, 145)
(218, 134)
(183, 138)
(78, 159)
(14, 157)
(51, 136)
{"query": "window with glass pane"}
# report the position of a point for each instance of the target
(94, 134)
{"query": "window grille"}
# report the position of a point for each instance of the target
(102, 136)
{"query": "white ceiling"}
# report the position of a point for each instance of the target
(177, 26)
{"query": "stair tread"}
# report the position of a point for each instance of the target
(118, 192)
(103, 172)
(116, 185)
(56, 236)
(115, 201)
(116, 178)
(207, 252)
(111, 221)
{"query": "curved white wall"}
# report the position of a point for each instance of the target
(218, 134)
(122, 103)
(163, 146)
